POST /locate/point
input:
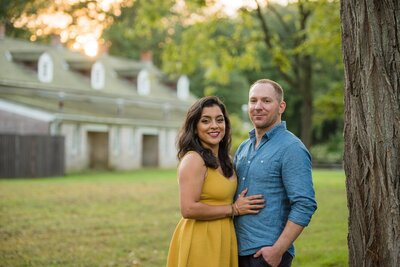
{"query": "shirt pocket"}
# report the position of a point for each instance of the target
(267, 173)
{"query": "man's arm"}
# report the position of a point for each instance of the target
(297, 180)
(273, 255)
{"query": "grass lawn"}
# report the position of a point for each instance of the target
(127, 219)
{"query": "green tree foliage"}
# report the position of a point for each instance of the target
(11, 10)
(297, 45)
(141, 27)
(240, 131)
(76, 22)
(179, 44)
(282, 43)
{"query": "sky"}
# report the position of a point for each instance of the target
(232, 5)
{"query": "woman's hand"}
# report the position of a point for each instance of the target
(248, 204)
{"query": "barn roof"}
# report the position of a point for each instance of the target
(70, 95)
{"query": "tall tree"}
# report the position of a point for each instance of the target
(78, 23)
(371, 53)
(274, 34)
(298, 70)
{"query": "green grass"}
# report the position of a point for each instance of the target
(127, 219)
(324, 242)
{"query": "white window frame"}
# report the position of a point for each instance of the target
(45, 68)
(97, 76)
(182, 89)
(143, 83)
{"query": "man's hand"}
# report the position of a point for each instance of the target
(271, 255)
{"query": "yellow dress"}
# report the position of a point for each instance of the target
(207, 243)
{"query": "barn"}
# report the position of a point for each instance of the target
(113, 113)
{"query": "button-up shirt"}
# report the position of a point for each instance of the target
(279, 168)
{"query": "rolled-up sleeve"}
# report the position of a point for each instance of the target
(297, 180)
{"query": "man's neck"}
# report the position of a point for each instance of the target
(259, 135)
(260, 132)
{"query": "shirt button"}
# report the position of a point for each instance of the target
(262, 161)
(244, 178)
(248, 162)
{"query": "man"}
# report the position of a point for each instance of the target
(275, 163)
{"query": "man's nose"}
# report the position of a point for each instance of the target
(258, 105)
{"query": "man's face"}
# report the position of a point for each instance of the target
(265, 109)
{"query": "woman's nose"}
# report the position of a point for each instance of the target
(214, 124)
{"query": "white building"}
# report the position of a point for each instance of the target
(114, 113)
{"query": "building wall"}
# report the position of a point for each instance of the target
(167, 148)
(129, 147)
(76, 155)
(166, 145)
(125, 146)
(17, 124)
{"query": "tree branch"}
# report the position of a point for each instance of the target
(267, 40)
(280, 19)
(264, 26)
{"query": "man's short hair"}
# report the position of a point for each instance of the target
(278, 88)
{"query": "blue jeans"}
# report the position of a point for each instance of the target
(250, 261)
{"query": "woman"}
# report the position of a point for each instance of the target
(205, 236)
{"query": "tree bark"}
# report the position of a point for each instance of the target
(371, 54)
(306, 90)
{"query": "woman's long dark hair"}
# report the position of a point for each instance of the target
(189, 141)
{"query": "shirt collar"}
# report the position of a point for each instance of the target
(268, 135)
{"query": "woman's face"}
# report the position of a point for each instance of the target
(211, 127)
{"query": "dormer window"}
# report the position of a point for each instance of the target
(45, 68)
(183, 87)
(143, 84)
(97, 76)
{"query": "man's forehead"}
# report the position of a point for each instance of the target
(263, 90)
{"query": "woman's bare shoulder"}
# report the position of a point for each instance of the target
(192, 158)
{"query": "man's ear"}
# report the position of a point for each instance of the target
(282, 107)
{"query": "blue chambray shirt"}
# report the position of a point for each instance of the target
(279, 169)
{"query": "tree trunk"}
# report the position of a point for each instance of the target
(301, 80)
(306, 90)
(371, 54)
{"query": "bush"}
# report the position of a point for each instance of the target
(240, 131)
(329, 152)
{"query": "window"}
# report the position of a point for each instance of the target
(183, 87)
(97, 76)
(45, 68)
(143, 83)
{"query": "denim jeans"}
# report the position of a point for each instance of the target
(250, 261)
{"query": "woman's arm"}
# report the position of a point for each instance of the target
(191, 173)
